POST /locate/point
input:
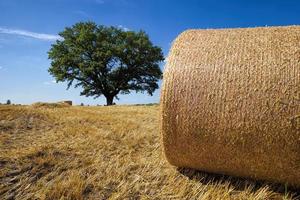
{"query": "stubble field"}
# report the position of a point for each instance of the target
(57, 152)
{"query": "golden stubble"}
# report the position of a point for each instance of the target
(102, 153)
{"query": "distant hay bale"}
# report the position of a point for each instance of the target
(230, 102)
(66, 102)
(50, 105)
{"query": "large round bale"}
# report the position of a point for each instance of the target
(230, 102)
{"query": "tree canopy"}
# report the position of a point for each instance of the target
(105, 60)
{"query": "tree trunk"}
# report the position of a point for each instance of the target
(109, 100)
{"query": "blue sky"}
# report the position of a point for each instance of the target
(28, 27)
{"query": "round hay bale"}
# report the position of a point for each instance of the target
(230, 102)
(49, 105)
(65, 102)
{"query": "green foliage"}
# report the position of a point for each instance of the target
(106, 60)
(8, 102)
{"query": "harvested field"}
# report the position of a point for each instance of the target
(103, 153)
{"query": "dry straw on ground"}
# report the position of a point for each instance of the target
(231, 102)
(103, 152)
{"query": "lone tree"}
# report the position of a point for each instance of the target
(105, 61)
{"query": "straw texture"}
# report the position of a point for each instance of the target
(230, 102)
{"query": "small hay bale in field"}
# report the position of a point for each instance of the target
(49, 105)
(66, 102)
(230, 102)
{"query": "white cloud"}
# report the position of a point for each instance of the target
(40, 36)
(123, 28)
(49, 82)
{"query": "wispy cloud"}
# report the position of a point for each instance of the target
(40, 36)
(49, 82)
(123, 27)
